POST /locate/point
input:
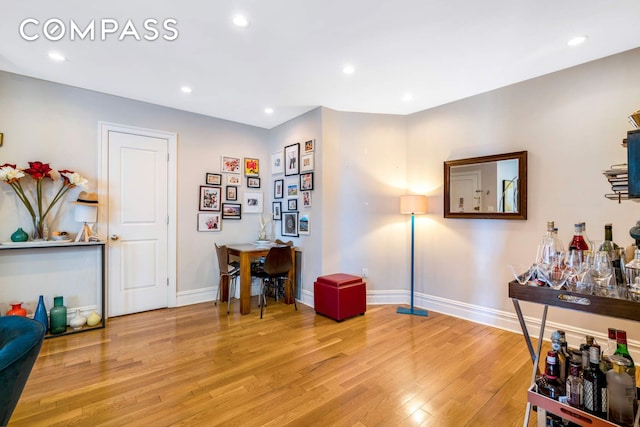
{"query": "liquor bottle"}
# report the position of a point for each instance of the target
(621, 389)
(549, 384)
(632, 271)
(574, 384)
(577, 241)
(562, 361)
(588, 241)
(546, 248)
(605, 363)
(608, 245)
(594, 386)
(584, 352)
(622, 350)
(556, 241)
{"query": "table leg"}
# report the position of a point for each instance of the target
(245, 283)
(288, 292)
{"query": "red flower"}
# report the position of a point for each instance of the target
(39, 170)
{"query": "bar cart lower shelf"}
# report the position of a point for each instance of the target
(621, 308)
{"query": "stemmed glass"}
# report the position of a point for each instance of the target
(555, 272)
(602, 269)
(574, 265)
(521, 272)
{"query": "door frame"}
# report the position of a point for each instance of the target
(103, 191)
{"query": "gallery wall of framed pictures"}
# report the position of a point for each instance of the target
(234, 189)
(293, 172)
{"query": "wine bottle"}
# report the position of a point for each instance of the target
(549, 384)
(605, 362)
(608, 245)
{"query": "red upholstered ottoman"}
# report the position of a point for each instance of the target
(339, 296)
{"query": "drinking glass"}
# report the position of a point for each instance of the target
(555, 273)
(521, 272)
(602, 269)
(573, 264)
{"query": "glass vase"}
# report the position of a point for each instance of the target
(58, 316)
(17, 310)
(41, 313)
(38, 232)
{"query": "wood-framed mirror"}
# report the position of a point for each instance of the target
(488, 187)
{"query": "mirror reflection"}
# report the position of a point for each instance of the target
(486, 187)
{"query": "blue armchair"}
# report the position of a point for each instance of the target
(20, 342)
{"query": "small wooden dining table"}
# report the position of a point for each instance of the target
(245, 252)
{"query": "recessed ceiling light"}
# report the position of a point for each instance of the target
(407, 97)
(240, 21)
(577, 40)
(348, 69)
(268, 110)
(186, 89)
(55, 56)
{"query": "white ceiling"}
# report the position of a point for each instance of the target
(291, 55)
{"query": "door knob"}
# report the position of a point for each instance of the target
(114, 237)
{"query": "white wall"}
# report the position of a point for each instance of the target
(572, 123)
(58, 124)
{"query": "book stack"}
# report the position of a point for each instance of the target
(618, 177)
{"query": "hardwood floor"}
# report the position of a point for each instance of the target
(196, 366)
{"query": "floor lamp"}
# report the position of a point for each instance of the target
(412, 204)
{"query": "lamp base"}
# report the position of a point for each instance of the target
(412, 310)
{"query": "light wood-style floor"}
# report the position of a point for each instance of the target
(196, 366)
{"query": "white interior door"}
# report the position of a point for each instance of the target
(138, 222)
(464, 196)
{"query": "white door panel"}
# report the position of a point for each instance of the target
(137, 223)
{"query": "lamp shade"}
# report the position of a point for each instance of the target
(413, 204)
(84, 213)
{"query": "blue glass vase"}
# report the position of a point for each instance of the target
(41, 313)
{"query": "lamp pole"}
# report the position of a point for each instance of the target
(413, 200)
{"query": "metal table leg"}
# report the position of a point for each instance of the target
(535, 356)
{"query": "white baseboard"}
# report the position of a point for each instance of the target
(197, 296)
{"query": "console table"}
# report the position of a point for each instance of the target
(620, 308)
(42, 251)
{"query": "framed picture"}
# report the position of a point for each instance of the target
(210, 198)
(306, 162)
(252, 202)
(253, 182)
(306, 181)
(209, 222)
(278, 189)
(306, 199)
(233, 179)
(213, 179)
(309, 146)
(231, 211)
(303, 224)
(230, 164)
(251, 167)
(292, 189)
(277, 163)
(292, 159)
(292, 204)
(232, 192)
(290, 224)
(276, 211)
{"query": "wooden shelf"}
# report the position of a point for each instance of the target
(70, 330)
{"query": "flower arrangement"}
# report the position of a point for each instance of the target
(264, 221)
(38, 172)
